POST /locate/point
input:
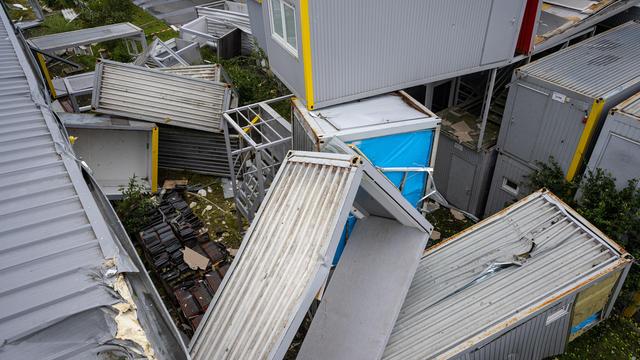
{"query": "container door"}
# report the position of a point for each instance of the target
(525, 121)
(502, 31)
(619, 157)
(460, 183)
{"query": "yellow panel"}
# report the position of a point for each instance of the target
(45, 72)
(154, 159)
(306, 52)
(592, 300)
(585, 138)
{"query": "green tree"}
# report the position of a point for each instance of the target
(134, 207)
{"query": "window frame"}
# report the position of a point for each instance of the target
(508, 188)
(282, 41)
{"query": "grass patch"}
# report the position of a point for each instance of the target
(152, 26)
(614, 338)
(221, 218)
(444, 222)
(53, 24)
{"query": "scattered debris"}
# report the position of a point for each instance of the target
(435, 235)
(194, 259)
(171, 184)
(457, 214)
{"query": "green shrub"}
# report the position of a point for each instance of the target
(134, 207)
(54, 24)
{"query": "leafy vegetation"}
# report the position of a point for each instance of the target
(106, 12)
(53, 24)
(134, 207)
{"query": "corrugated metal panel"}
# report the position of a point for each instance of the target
(145, 94)
(204, 72)
(249, 317)
(596, 67)
(617, 149)
(194, 150)
(501, 193)
(631, 106)
(437, 40)
(455, 302)
(56, 250)
(86, 36)
(227, 12)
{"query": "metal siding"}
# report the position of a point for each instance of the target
(594, 67)
(151, 95)
(204, 72)
(220, 13)
(249, 317)
(420, 42)
(193, 150)
(483, 163)
(56, 244)
(514, 170)
(288, 68)
(617, 149)
(257, 23)
(85, 36)
(445, 313)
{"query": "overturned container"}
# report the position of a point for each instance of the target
(523, 282)
(395, 132)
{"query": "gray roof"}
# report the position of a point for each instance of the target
(449, 303)
(594, 67)
(85, 36)
(630, 106)
(152, 95)
(60, 262)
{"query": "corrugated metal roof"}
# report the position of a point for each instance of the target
(148, 94)
(204, 72)
(630, 106)
(594, 67)
(85, 36)
(226, 12)
(445, 307)
(286, 251)
(58, 255)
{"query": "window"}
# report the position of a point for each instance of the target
(510, 186)
(283, 25)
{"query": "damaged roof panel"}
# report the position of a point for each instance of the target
(542, 248)
(61, 266)
(287, 250)
(151, 95)
(86, 36)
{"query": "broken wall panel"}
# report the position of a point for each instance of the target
(150, 95)
(287, 250)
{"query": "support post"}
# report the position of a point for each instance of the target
(487, 106)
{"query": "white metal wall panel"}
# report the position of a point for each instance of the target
(151, 95)
(404, 44)
(205, 72)
(284, 258)
(69, 39)
(455, 302)
(617, 150)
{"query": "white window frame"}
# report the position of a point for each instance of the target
(274, 35)
(511, 190)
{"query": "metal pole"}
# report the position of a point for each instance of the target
(232, 171)
(487, 106)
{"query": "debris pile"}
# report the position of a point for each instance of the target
(189, 265)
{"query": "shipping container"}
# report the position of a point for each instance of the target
(509, 183)
(547, 24)
(518, 285)
(396, 133)
(617, 150)
(293, 239)
(116, 150)
(327, 52)
(556, 105)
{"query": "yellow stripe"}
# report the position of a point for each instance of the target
(45, 72)
(154, 159)
(585, 138)
(305, 32)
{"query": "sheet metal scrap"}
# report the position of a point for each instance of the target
(173, 227)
